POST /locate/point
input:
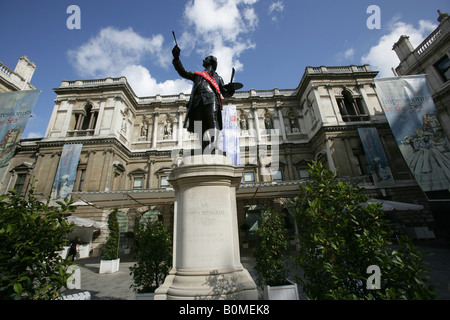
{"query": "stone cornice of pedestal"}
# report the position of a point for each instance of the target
(219, 168)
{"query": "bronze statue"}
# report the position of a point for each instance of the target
(205, 103)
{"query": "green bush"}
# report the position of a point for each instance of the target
(341, 238)
(31, 233)
(112, 244)
(271, 249)
(154, 250)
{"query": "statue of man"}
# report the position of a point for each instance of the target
(205, 103)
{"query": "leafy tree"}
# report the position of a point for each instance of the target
(271, 250)
(31, 233)
(112, 244)
(342, 236)
(154, 249)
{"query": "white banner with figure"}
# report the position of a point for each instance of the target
(15, 111)
(412, 116)
(376, 158)
(67, 171)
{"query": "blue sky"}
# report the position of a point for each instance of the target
(268, 42)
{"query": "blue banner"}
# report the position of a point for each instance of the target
(412, 116)
(15, 110)
(376, 158)
(67, 171)
(230, 133)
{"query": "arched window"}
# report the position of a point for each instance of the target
(351, 108)
(90, 119)
(86, 118)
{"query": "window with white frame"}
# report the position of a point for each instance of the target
(249, 177)
(138, 183)
(277, 175)
(164, 183)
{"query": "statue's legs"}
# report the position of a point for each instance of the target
(207, 114)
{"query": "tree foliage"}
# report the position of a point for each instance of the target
(271, 249)
(112, 244)
(154, 249)
(31, 233)
(342, 236)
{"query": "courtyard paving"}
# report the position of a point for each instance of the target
(116, 286)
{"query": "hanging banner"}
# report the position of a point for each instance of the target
(15, 110)
(67, 171)
(230, 134)
(376, 158)
(412, 116)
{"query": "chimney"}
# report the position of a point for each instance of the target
(25, 68)
(403, 48)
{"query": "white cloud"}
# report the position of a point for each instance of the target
(32, 135)
(349, 53)
(113, 53)
(111, 50)
(145, 85)
(251, 17)
(276, 7)
(382, 58)
(220, 27)
(346, 55)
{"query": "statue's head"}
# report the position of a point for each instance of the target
(210, 61)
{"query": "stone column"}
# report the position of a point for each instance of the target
(116, 120)
(155, 128)
(66, 123)
(100, 115)
(206, 260)
(334, 104)
(256, 123)
(329, 155)
(180, 128)
(370, 110)
(280, 117)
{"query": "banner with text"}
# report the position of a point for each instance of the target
(376, 158)
(412, 116)
(67, 171)
(230, 133)
(15, 111)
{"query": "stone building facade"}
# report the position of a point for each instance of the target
(130, 144)
(20, 78)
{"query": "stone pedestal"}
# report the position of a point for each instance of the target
(206, 260)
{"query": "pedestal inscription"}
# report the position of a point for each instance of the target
(206, 261)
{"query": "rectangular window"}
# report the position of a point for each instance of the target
(249, 177)
(82, 175)
(20, 182)
(138, 183)
(277, 175)
(303, 174)
(164, 182)
(443, 68)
